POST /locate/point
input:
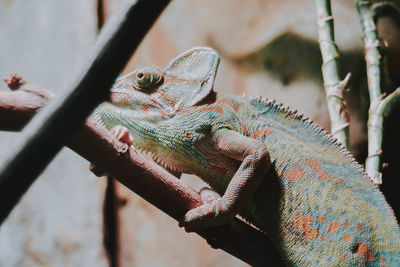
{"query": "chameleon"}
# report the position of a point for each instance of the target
(271, 165)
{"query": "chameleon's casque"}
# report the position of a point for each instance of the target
(277, 169)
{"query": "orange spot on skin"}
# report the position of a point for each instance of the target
(231, 135)
(182, 111)
(152, 104)
(323, 174)
(358, 227)
(244, 130)
(321, 219)
(294, 174)
(362, 249)
(211, 109)
(177, 80)
(344, 258)
(188, 135)
(347, 238)
(223, 143)
(382, 258)
(162, 114)
(167, 99)
(261, 133)
(303, 223)
(346, 224)
(145, 111)
(322, 237)
(333, 227)
(230, 103)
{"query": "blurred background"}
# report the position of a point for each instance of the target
(69, 217)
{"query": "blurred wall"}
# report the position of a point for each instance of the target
(267, 48)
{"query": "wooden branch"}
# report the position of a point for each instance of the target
(145, 178)
(59, 120)
(379, 107)
(18, 107)
(334, 86)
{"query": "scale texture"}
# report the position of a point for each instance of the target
(275, 168)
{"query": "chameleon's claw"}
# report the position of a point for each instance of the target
(122, 134)
(206, 215)
(208, 195)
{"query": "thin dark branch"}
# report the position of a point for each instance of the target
(157, 186)
(46, 133)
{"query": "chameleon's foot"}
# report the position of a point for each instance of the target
(213, 212)
(123, 135)
(208, 195)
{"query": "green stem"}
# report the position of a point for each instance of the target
(379, 110)
(373, 57)
(334, 86)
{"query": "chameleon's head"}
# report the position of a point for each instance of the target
(155, 92)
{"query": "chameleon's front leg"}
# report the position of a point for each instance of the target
(122, 134)
(255, 164)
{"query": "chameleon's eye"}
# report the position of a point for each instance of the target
(147, 79)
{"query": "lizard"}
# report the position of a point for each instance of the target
(271, 165)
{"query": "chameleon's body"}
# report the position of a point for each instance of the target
(279, 170)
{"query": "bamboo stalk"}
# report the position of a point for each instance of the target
(334, 86)
(380, 106)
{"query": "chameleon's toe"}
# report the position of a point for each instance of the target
(196, 219)
(206, 215)
(208, 195)
(122, 134)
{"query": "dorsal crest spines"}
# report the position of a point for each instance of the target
(321, 135)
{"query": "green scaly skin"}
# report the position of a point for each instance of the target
(275, 168)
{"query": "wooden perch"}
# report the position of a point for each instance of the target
(142, 176)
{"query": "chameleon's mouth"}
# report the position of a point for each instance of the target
(109, 115)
